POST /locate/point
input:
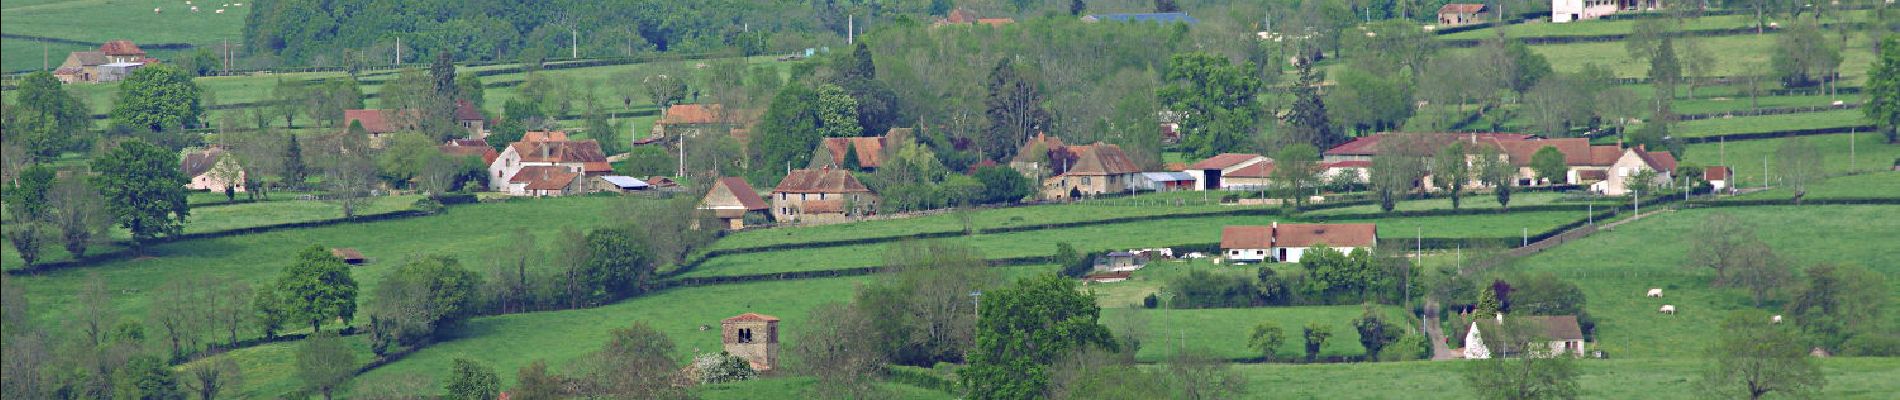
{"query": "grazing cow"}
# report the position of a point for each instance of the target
(1777, 318)
(1657, 292)
(1667, 309)
(158, 11)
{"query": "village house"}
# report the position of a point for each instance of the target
(1211, 173)
(112, 62)
(832, 152)
(1091, 170)
(1258, 176)
(1718, 176)
(1580, 157)
(731, 200)
(1574, 10)
(470, 148)
(379, 124)
(1633, 162)
(1119, 261)
(753, 337)
(963, 16)
(1288, 242)
(546, 167)
(821, 196)
(1554, 335)
(682, 120)
(470, 119)
(1457, 14)
(210, 169)
(1361, 171)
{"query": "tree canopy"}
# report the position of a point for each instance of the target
(158, 98)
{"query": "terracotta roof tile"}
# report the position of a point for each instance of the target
(748, 197)
(486, 153)
(1258, 170)
(197, 163)
(1458, 8)
(1246, 237)
(379, 121)
(1100, 159)
(465, 111)
(824, 180)
(691, 114)
(1369, 145)
(585, 151)
(1332, 235)
(751, 317)
(1717, 173)
(123, 48)
(870, 149)
(544, 136)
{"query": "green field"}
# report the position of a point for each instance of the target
(1734, 53)
(1769, 123)
(102, 20)
(465, 231)
(1223, 332)
(1878, 184)
(1614, 27)
(1158, 233)
(1738, 101)
(1868, 152)
(1847, 378)
(237, 216)
(1615, 268)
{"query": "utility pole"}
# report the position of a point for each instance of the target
(1852, 157)
(574, 43)
(45, 56)
(850, 29)
(398, 50)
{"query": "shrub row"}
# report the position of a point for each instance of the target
(1768, 111)
(128, 253)
(1778, 134)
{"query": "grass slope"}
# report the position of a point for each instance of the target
(1847, 378)
(1615, 268)
(103, 20)
(1869, 152)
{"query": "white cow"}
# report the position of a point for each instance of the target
(1777, 318)
(219, 11)
(1667, 309)
(1657, 292)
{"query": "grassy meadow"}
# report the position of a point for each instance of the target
(1769, 123)
(1847, 378)
(97, 21)
(1868, 152)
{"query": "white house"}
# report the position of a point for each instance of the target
(1559, 335)
(1636, 160)
(1573, 10)
(1288, 242)
(1718, 177)
(1208, 173)
(582, 158)
(210, 170)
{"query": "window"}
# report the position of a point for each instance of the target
(745, 335)
(1085, 180)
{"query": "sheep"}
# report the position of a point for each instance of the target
(194, 8)
(1657, 292)
(1667, 309)
(1777, 318)
(219, 11)
(157, 10)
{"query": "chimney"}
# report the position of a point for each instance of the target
(1474, 138)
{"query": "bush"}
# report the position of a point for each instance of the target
(1872, 345)
(427, 205)
(1151, 301)
(722, 367)
(1203, 289)
(1412, 346)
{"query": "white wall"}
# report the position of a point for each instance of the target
(1248, 255)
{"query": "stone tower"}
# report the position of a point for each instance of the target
(753, 337)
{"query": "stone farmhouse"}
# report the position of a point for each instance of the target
(1070, 172)
(1287, 242)
(753, 337)
(541, 165)
(731, 200)
(1719, 177)
(471, 119)
(111, 63)
(210, 169)
(1552, 335)
(821, 196)
(382, 123)
(1602, 168)
(1458, 14)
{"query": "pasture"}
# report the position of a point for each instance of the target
(97, 21)
(1847, 378)
(1614, 268)
(1769, 123)
(1840, 153)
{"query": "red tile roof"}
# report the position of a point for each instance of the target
(691, 114)
(748, 197)
(1222, 161)
(380, 121)
(824, 180)
(1368, 145)
(197, 163)
(1100, 159)
(585, 151)
(1048, 144)
(1246, 237)
(1717, 173)
(1577, 152)
(465, 111)
(121, 48)
(487, 154)
(346, 254)
(751, 317)
(1333, 235)
(870, 150)
(1661, 161)
(544, 136)
(959, 16)
(1457, 8)
(1258, 170)
(537, 172)
(558, 181)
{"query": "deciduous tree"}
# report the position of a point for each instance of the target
(325, 363)
(317, 287)
(1451, 170)
(1024, 328)
(144, 190)
(158, 98)
(1296, 172)
(1217, 100)
(636, 362)
(1753, 358)
(1883, 90)
(1267, 339)
(472, 380)
(46, 116)
(1014, 110)
(1549, 164)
